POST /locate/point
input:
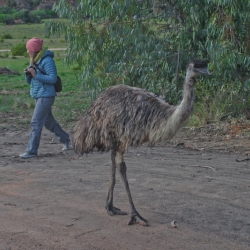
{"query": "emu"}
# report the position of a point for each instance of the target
(124, 116)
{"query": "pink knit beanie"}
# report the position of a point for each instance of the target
(34, 44)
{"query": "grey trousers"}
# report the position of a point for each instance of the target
(42, 116)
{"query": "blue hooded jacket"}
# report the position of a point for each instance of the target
(43, 84)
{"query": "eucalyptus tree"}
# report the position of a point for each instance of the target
(148, 43)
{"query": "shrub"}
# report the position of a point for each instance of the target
(6, 36)
(5, 55)
(76, 67)
(34, 18)
(42, 14)
(6, 19)
(5, 9)
(23, 15)
(19, 50)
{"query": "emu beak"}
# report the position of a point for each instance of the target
(204, 71)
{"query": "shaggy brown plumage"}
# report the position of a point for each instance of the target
(121, 116)
(124, 116)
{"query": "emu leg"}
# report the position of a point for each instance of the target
(135, 216)
(111, 210)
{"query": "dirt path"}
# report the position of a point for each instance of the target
(56, 201)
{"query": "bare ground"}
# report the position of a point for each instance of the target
(56, 201)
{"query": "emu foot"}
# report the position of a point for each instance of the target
(137, 219)
(114, 211)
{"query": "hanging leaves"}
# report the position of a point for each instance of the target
(148, 43)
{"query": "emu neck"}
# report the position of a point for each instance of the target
(187, 104)
(180, 115)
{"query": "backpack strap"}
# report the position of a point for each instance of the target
(38, 66)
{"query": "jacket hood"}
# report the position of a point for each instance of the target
(48, 53)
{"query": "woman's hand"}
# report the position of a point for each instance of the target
(32, 72)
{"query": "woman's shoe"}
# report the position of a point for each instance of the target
(27, 155)
(66, 146)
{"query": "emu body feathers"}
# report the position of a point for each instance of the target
(124, 116)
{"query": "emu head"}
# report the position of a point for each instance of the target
(196, 67)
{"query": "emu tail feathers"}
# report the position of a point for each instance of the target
(88, 135)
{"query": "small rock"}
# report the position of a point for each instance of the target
(173, 224)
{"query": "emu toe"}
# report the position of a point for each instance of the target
(115, 211)
(138, 219)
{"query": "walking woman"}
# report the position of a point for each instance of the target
(41, 76)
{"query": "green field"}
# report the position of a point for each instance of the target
(14, 91)
(22, 32)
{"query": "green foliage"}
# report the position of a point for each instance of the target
(23, 15)
(6, 10)
(151, 50)
(36, 16)
(6, 19)
(49, 14)
(120, 50)
(6, 36)
(8, 14)
(222, 104)
(19, 50)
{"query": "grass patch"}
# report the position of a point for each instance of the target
(21, 33)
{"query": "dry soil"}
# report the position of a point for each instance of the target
(201, 180)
